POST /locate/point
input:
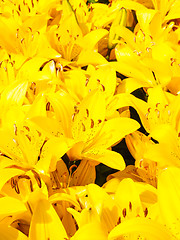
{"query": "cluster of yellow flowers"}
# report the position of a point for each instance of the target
(67, 72)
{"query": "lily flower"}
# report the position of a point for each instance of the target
(90, 135)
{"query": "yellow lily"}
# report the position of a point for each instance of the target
(91, 134)
(70, 38)
(145, 49)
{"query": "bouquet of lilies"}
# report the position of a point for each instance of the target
(70, 76)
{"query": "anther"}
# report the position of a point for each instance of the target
(130, 205)
(103, 87)
(124, 212)
(83, 127)
(17, 188)
(145, 212)
(87, 80)
(92, 123)
(157, 104)
(87, 112)
(31, 185)
(37, 177)
(27, 128)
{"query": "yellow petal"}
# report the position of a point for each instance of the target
(142, 227)
(90, 57)
(45, 223)
(90, 231)
(11, 206)
(92, 38)
(52, 151)
(10, 233)
(58, 197)
(114, 130)
(107, 157)
(7, 173)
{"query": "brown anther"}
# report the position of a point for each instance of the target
(92, 123)
(37, 177)
(119, 220)
(83, 127)
(130, 205)
(157, 104)
(22, 39)
(124, 212)
(103, 87)
(19, 7)
(31, 185)
(48, 106)
(87, 112)
(32, 3)
(17, 188)
(149, 110)
(23, 176)
(98, 80)
(27, 128)
(87, 80)
(18, 13)
(172, 61)
(165, 106)
(29, 138)
(38, 133)
(145, 212)
(99, 121)
(30, 29)
(13, 182)
(179, 42)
